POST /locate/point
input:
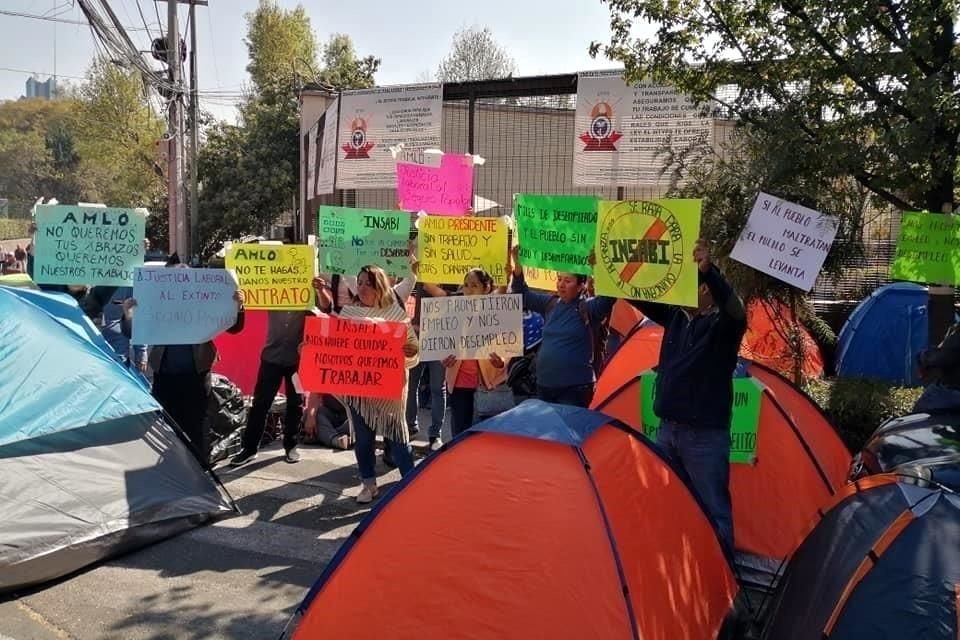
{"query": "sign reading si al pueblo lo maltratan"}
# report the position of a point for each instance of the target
(274, 276)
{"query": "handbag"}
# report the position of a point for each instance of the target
(491, 402)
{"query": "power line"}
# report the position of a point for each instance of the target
(42, 73)
(144, 19)
(34, 16)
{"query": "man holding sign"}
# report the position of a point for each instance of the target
(694, 388)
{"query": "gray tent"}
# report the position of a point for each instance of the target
(90, 467)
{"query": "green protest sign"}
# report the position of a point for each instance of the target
(556, 232)
(928, 250)
(747, 396)
(351, 238)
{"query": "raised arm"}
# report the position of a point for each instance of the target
(531, 300)
(600, 307)
(728, 302)
(662, 314)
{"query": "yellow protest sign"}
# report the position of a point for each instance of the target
(543, 279)
(644, 250)
(276, 277)
(451, 246)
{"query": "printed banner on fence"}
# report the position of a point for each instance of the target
(326, 161)
(644, 250)
(88, 245)
(623, 133)
(361, 358)
(928, 250)
(471, 327)
(543, 279)
(446, 190)
(181, 305)
(276, 277)
(786, 241)
(744, 423)
(450, 247)
(556, 232)
(373, 120)
(352, 238)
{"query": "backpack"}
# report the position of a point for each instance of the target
(598, 333)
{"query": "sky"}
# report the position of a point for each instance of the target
(411, 37)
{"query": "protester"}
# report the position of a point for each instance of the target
(465, 379)
(694, 388)
(940, 372)
(566, 357)
(325, 421)
(181, 375)
(370, 417)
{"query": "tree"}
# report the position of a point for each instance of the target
(342, 69)
(863, 92)
(475, 55)
(281, 46)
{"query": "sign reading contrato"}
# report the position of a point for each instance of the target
(471, 327)
(182, 305)
(274, 276)
(786, 241)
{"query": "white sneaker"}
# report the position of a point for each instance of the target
(436, 444)
(368, 493)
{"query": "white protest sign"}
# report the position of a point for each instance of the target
(181, 305)
(786, 241)
(471, 327)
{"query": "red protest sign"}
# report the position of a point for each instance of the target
(353, 357)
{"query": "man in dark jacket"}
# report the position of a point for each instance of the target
(694, 390)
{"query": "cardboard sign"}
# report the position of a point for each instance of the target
(182, 306)
(352, 238)
(274, 276)
(542, 279)
(446, 190)
(927, 249)
(362, 358)
(471, 327)
(747, 397)
(644, 250)
(556, 232)
(786, 241)
(450, 247)
(88, 245)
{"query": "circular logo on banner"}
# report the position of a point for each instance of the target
(642, 249)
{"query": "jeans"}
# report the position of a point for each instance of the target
(185, 396)
(704, 453)
(576, 396)
(365, 449)
(461, 410)
(269, 377)
(438, 398)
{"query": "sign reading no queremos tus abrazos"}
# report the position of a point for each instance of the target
(471, 327)
(276, 277)
(88, 245)
(644, 250)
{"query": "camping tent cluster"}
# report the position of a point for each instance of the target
(90, 466)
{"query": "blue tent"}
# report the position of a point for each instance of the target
(884, 335)
(90, 466)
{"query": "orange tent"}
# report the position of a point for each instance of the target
(769, 327)
(543, 522)
(800, 460)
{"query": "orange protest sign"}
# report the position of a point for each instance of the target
(353, 357)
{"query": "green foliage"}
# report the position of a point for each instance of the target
(14, 228)
(475, 55)
(861, 90)
(856, 407)
(281, 47)
(342, 69)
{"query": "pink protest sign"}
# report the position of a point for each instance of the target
(446, 190)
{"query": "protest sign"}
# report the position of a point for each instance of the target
(543, 279)
(352, 238)
(471, 327)
(182, 306)
(446, 190)
(644, 250)
(928, 250)
(450, 247)
(276, 277)
(374, 120)
(786, 241)
(87, 245)
(744, 423)
(361, 358)
(556, 232)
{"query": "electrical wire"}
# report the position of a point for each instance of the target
(34, 16)
(144, 19)
(42, 73)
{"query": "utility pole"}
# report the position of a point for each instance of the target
(175, 200)
(194, 129)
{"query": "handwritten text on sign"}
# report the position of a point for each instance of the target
(88, 245)
(445, 190)
(471, 327)
(182, 306)
(450, 247)
(928, 249)
(747, 397)
(556, 232)
(274, 276)
(362, 358)
(786, 241)
(352, 238)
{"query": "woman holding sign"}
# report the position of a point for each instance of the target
(370, 417)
